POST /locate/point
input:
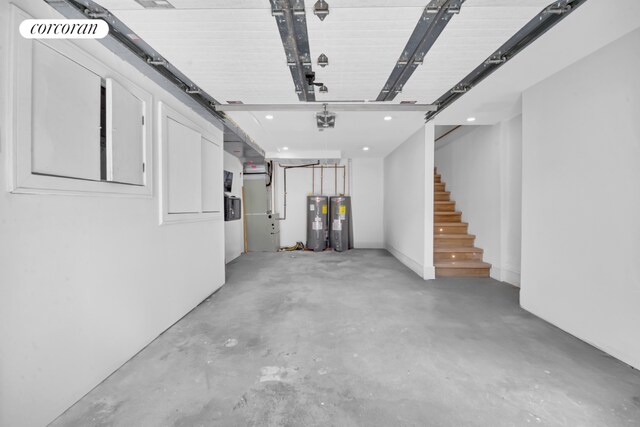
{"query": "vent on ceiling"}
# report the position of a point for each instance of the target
(155, 4)
(235, 102)
(408, 102)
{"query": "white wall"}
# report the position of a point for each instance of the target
(366, 176)
(233, 230)
(481, 166)
(408, 202)
(581, 199)
(86, 282)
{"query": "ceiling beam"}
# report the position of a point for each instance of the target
(291, 19)
(540, 24)
(317, 106)
(434, 19)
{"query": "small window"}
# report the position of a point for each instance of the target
(77, 126)
(191, 168)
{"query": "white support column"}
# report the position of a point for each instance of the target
(429, 271)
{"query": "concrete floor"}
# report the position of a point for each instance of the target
(356, 339)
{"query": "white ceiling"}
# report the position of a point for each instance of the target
(232, 49)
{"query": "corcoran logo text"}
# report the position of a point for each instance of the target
(64, 28)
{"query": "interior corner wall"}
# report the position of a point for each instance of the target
(482, 168)
(88, 281)
(367, 176)
(581, 199)
(406, 197)
(234, 230)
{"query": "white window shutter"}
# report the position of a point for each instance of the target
(125, 135)
(184, 168)
(66, 116)
(211, 177)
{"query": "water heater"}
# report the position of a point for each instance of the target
(340, 224)
(317, 216)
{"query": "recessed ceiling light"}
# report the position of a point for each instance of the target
(387, 118)
(471, 119)
(268, 117)
(285, 148)
(365, 148)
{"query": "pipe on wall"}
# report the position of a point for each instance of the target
(313, 167)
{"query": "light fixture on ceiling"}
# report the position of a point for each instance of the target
(365, 148)
(268, 117)
(471, 119)
(321, 9)
(324, 89)
(323, 60)
(387, 118)
(285, 148)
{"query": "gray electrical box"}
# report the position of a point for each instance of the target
(317, 223)
(340, 223)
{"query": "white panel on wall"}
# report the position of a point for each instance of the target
(184, 176)
(125, 135)
(66, 129)
(211, 176)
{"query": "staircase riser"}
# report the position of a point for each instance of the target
(449, 207)
(447, 218)
(462, 272)
(442, 197)
(437, 178)
(438, 187)
(451, 229)
(460, 256)
(446, 242)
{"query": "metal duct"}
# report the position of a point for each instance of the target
(540, 24)
(319, 106)
(291, 19)
(434, 19)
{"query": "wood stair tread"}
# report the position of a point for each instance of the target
(450, 249)
(456, 236)
(462, 264)
(450, 224)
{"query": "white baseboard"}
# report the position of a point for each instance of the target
(416, 267)
(630, 359)
(369, 245)
(228, 260)
(429, 272)
(504, 275)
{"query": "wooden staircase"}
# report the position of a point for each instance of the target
(454, 253)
